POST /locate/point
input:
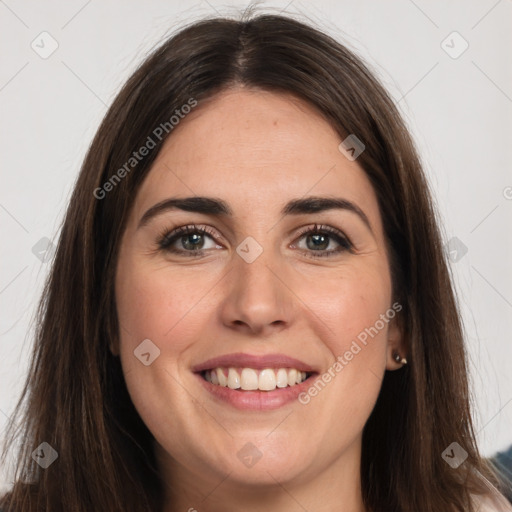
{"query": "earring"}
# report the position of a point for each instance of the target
(399, 359)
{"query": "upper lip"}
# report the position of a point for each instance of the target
(258, 362)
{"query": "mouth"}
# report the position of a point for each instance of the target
(255, 382)
(252, 379)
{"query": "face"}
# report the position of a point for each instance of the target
(257, 288)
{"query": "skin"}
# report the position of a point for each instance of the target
(256, 150)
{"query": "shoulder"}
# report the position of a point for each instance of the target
(494, 502)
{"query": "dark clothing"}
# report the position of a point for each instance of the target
(503, 463)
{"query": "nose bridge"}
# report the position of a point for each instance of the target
(256, 271)
(257, 295)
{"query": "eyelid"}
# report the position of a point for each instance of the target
(168, 234)
(313, 228)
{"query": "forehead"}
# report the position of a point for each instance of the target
(256, 150)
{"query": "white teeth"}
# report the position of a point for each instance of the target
(248, 379)
(267, 380)
(233, 379)
(282, 378)
(223, 380)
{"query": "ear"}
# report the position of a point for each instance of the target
(396, 346)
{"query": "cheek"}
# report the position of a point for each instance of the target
(351, 305)
(360, 332)
(164, 309)
(171, 310)
(152, 304)
(356, 311)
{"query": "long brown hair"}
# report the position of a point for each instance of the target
(75, 397)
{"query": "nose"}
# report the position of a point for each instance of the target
(258, 300)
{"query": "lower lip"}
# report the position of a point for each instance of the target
(257, 400)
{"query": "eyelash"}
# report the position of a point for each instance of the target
(167, 238)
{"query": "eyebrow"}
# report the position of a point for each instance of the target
(219, 208)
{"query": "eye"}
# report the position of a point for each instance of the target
(319, 238)
(189, 239)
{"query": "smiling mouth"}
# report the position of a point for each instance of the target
(250, 379)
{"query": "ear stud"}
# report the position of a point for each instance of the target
(399, 359)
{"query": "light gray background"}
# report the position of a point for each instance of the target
(459, 110)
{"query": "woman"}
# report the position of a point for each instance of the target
(250, 306)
